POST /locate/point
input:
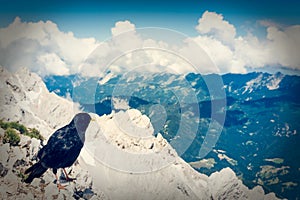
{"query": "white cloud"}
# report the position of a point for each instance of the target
(221, 55)
(135, 49)
(233, 53)
(43, 48)
(121, 27)
(53, 64)
(214, 24)
(28, 44)
(195, 53)
(124, 36)
(284, 45)
(251, 51)
(109, 55)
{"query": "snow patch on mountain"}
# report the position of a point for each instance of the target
(271, 82)
(274, 81)
(106, 78)
(253, 84)
(120, 104)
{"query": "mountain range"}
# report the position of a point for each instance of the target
(248, 122)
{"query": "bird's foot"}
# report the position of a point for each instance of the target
(69, 179)
(60, 187)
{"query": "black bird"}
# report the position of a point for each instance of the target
(62, 149)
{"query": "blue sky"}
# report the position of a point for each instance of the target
(95, 18)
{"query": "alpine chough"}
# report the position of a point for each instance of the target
(62, 149)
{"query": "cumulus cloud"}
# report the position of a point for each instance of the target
(284, 45)
(217, 49)
(219, 53)
(124, 36)
(141, 50)
(45, 49)
(114, 53)
(121, 27)
(53, 64)
(214, 24)
(42, 47)
(233, 53)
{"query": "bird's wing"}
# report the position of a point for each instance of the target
(59, 134)
(56, 136)
(61, 146)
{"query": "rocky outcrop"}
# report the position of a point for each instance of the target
(25, 98)
(16, 159)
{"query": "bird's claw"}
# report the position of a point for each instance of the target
(61, 187)
(70, 179)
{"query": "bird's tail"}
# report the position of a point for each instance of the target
(35, 171)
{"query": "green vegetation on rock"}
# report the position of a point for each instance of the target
(34, 133)
(11, 136)
(31, 132)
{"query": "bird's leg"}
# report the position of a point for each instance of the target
(67, 177)
(59, 186)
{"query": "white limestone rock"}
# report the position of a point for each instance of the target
(4, 149)
(1, 133)
(26, 99)
(123, 166)
(24, 140)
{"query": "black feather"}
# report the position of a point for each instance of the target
(35, 171)
(63, 147)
